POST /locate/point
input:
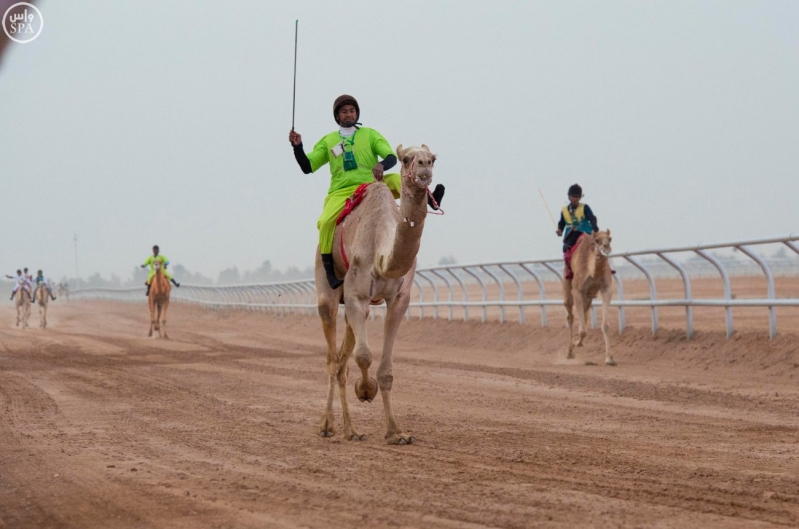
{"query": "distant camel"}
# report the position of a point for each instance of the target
(22, 301)
(592, 275)
(159, 301)
(42, 299)
(379, 241)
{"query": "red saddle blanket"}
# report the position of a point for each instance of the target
(352, 202)
(567, 257)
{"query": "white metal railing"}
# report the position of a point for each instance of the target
(501, 285)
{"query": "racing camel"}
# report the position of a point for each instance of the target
(159, 301)
(592, 276)
(374, 249)
(22, 301)
(42, 299)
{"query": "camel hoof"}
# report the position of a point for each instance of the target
(400, 440)
(326, 433)
(610, 362)
(356, 437)
(366, 392)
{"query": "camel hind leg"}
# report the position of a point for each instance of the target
(606, 326)
(347, 346)
(357, 310)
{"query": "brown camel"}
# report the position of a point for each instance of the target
(42, 299)
(380, 243)
(592, 275)
(22, 301)
(159, 301)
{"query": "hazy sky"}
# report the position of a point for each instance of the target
(132, 123)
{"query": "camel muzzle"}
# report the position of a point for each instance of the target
(423, 178)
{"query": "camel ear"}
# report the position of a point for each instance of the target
(425, 147)
(608, 233)
(399, 151)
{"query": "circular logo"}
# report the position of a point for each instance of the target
(23, 22)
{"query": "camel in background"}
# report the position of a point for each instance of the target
(42, 299)
(592, 275)
(379, 241)
(159, 301)
(22, 301)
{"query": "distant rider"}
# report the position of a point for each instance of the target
(20, 281)
(151, 263)
(575, 219)
(41, 280)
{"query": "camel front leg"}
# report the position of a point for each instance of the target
(579, 307)
(357, 310)
(568, 302)
(347, 346)
(606, 326)
(152, 318)
(328, 309)
(163, 319)
(395, 311)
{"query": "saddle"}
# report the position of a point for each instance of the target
(567, 257)
(352, 202)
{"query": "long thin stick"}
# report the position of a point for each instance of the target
(294, 95)
(548, 210)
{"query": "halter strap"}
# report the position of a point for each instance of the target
(409, 176)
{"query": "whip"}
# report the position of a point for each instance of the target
(548, 210)
(294, 94)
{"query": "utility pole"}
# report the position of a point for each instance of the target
(76, 261)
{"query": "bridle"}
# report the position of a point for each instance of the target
(410, 176)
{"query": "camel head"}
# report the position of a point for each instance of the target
(602, 241)
(417, 165)
(157, 265)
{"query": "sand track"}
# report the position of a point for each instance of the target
(101, 427)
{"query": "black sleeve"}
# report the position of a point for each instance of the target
(302, 159)
(591, 217)
(561, 222)
(389, 162)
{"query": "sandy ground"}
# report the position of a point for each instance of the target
(102, 427)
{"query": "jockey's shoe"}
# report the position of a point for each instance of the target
(438, 195)
(12, 296)
(327, 261)
(52, 297)
(175, 283)
(147, 294)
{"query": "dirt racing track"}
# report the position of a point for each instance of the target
(102, 427)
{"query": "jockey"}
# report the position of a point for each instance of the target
(151, 263)
(576, 218)
(40, 280)
(20, 281)
(352, 153)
